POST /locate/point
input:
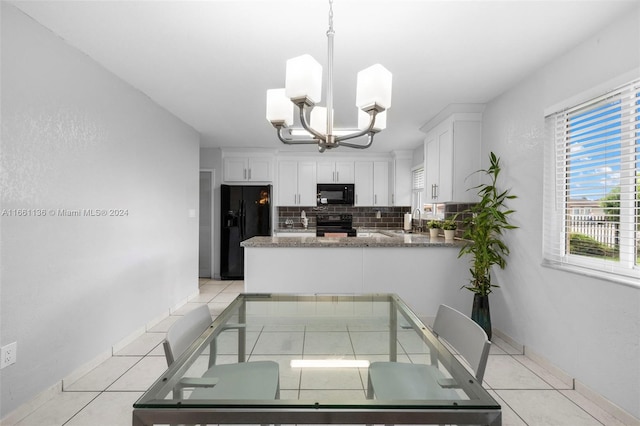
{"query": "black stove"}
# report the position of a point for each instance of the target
(335, 225)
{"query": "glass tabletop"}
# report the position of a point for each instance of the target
(323, 346)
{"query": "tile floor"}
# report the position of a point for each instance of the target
(529, 395)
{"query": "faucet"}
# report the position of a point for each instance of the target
(419, 227)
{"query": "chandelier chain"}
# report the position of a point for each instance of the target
(330, 30)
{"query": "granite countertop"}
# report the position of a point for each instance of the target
(384, 238)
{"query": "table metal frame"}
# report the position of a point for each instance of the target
(149, 410)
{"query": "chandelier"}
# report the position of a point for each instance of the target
(303, 88)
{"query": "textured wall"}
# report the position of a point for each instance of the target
(588, 327)
(99, 198)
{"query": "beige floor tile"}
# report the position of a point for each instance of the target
(331, 378)
(108, 409)
(59, 409)
(141, 376)
(163, 326)
(544, 374)
(103, 376)
(225, 297)
(546, 408)
(142, 345)
(497, 341)
(203, 298)
(592, 408)
(509, 417)
(186, 308)
(505, 372)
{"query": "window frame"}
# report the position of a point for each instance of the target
(626, 269)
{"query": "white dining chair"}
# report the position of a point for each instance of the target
(242, 380)
(405, 381)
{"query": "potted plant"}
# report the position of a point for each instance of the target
(449, 226)
(484, 227)
(434, 227)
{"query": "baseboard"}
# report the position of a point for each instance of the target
(43, 397)
(128, 340)
(516, 345)
(29, 407)
(85, 368)
(608, 406)
(155, 321)
(544, 363)
(593, 396)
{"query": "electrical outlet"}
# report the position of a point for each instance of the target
(8, 354)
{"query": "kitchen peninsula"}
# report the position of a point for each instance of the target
(423, 271)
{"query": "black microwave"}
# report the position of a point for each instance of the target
(335, 193)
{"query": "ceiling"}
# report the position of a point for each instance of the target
(211, 62)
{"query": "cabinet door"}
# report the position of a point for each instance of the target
(307, 195)
(326, 172)
(401, 182)
(259, 169)
(381, 183)
(363, 175)
(432, 172)
(288, 183)
(235, 169)
(445, 161)
(344, 172)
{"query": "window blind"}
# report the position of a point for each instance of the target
(418, 179)
(591, 203)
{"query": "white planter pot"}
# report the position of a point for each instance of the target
(433, 232)
(449, 233)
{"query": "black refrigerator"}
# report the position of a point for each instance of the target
(245, 213)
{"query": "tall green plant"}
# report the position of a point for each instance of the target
(484, 228)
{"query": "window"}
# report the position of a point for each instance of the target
(417, 188)
(592, 207)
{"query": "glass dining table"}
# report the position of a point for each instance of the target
(323, 345)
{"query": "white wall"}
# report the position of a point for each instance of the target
(211, 159)
(76, 137)
(588, 327)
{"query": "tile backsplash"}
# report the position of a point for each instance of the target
(363, 217)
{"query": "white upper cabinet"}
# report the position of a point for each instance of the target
(335, 172)
(452, 155)
(380, 183)
(247, 169)
(371, 183)
(400, 182)
(296, 183)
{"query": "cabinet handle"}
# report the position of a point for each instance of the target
(244, 173)
(375, 199)
(337, 176)
(393, 199)
(333, 176)
(249, 174)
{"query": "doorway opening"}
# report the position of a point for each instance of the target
(205, 240)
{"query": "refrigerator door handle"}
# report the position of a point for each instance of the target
(243, 219)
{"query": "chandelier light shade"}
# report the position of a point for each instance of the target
(374, 88)
(304, 79)
(279, 107)
(318, 119)
(303, 88)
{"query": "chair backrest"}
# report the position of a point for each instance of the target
(185, 331)
(467, 337)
